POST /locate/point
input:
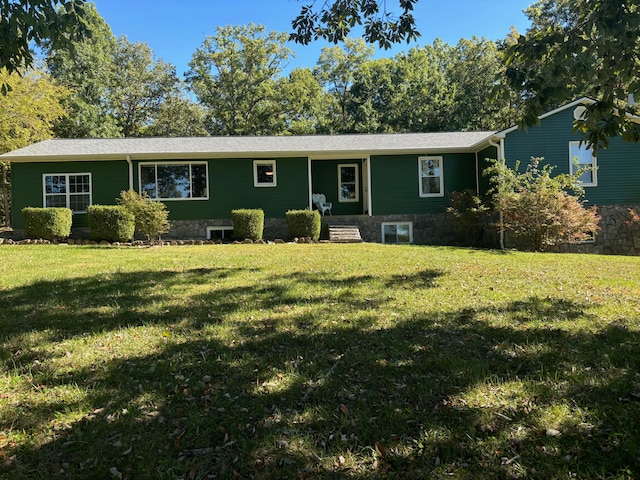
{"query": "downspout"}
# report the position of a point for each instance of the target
(310, 183)
(130, 172)
(369, 194)
(477, 176)
(500, 154)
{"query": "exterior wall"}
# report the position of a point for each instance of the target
(395, 184)
(108, 179)
(484, 161)
(618, 170)
(231, 187)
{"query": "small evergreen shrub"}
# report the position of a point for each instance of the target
(304, 223)
(112, 223)
(47, 223)
(247, 224)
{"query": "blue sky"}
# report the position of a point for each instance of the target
(175, 29)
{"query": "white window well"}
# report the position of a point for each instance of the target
(581, 158)
(397, 232)
(67, 190)
(175, 181)
(264, 173)
(348, 183)
(219, 232)
(430, 176)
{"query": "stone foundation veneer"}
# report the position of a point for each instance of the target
(614, 238)
(428, 229)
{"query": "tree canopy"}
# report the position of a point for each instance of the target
(581, 47)
(23, 22)
(335, 19)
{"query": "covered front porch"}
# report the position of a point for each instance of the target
(344, 182)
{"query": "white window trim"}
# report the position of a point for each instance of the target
(340, 182)
(594, 163)
(255, 173)
(410, 224)
(155, 164)
(431, 157)
(68, 194)
(219, 228)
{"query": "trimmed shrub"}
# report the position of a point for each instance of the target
(247, 224)
(47, 223)
(304, 223)
(112, 223)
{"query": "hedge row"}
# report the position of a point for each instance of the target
(115, 223)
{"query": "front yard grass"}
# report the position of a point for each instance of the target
(317, 361)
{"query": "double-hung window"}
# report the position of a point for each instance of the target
(175, 181)
(348, 184)
(581, 158)
(430, 175)
(67, 190)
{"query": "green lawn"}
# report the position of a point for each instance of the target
(317, 361)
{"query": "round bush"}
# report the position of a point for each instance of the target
(247, 224)
(47, 223)
(304, 223)
(111, 223)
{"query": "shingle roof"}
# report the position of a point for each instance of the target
(315, 145)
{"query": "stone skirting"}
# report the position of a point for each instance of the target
(428, 229)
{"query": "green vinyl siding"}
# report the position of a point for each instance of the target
(395, 183)
(484, 161)
(324, 175)
(108, 179)
(618, 170)
(231, 186)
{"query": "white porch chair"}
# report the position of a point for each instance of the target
(320, 201)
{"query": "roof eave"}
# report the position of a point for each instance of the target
(249, 154)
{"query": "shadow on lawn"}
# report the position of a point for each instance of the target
(445, 394)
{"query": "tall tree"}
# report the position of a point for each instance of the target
(233, 74)
(140, 86)
(177, 116)
(86, 67)
(581, 46)
(335, 19)
(374, 96)
(482, 101)
(27, 22)
(27, 115)
(426, 95)
(119, 87)
(335, 72)
(304, 103)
